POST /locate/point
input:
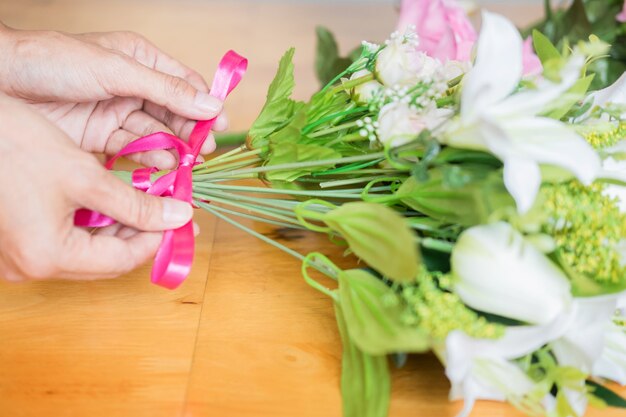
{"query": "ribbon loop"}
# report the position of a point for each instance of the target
(174, 258)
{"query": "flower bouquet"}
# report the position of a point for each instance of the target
(484, 211)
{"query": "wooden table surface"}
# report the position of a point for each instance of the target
(244, 336)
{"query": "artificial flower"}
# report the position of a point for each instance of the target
(443, 27)
(621, 17)
(364, 93)
(615, 93)
(399, 123)
(612, 362)
(509, 125)
(584, 339)
(400, 63)
(530, 61)
(497, 271)
(483, 368)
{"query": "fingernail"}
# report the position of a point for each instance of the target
(176, 213)
(207, 103)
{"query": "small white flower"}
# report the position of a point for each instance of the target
(399, 123)
(401, 64)
(499, 272)
(364, 93)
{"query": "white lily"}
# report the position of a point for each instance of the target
(495, 119)
(482, 369)
(615, 93)
(612, 362)
(584, 340)
(500, 272)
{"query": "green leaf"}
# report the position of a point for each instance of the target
(466, 196)
(373, 315)
(328, 63)
(288, 153)
(545, 50)
(379, 236)
(279, 108)
(365, 379)
(572, 96)
(609, 397)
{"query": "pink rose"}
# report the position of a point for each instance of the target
(622, 16)
(530, 60)
(444, 29)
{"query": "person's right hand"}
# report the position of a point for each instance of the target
(44, 178)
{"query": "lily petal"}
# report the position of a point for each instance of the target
(536, 101)
(497, 271)
(498, 67)
(584, 341)
(522, 179)
(550, 142)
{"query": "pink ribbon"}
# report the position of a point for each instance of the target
(174, 258)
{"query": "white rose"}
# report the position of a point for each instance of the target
(402, 64)
(453, 69)
(364, 93)
(398, 123)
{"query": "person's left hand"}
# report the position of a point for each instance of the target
(106, 89)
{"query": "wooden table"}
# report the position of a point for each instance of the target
(244, 336)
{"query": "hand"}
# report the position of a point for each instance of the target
(44, 178)
(105, 90)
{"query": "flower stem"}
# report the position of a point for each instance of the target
(292, 165)
(332, 130)
(258, 235)
(354, 193)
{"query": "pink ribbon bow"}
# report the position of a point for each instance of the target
(174, 258)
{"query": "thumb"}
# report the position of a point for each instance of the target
(174, 93)
(118, 200)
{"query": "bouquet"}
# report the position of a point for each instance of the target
(482, 205)
(485, 212)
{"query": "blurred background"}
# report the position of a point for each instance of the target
(198, 32)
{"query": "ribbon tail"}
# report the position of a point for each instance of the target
(174, 258)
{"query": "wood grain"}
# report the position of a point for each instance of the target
(249, 338)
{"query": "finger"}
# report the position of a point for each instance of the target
(221, 123)
(209, 145)
(94, 256)
(161, 159)
(147, 53)
(174, 93)
(105, 193)
(181, 126)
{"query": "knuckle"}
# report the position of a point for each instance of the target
(141, 211)
(176, 86)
